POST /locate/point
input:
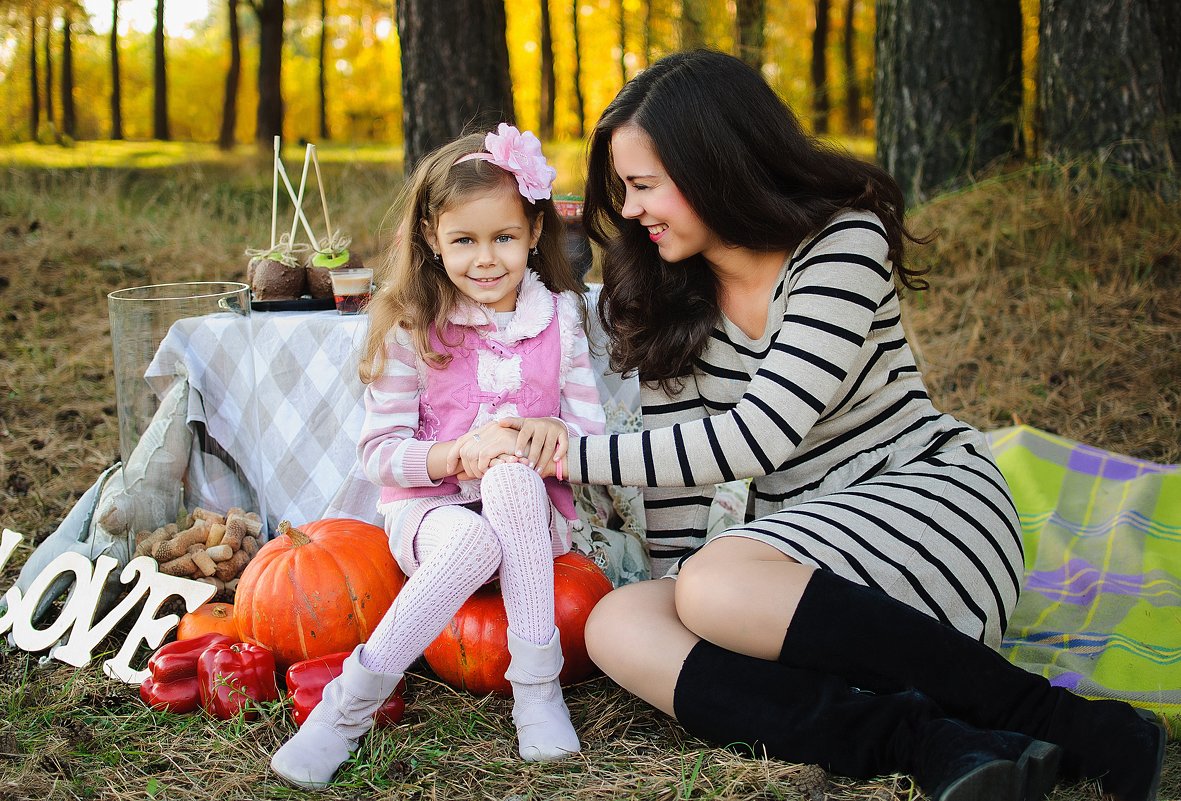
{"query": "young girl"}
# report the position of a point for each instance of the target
(478, 317)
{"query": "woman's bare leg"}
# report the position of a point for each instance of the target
(740, 594)
(635, 637)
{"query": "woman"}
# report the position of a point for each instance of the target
(749, 279)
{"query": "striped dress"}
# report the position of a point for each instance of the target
(853, 469)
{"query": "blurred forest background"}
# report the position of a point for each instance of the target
(936, 91)
(361, 67)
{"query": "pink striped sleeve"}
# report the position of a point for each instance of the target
(388, 451)
(582, 410)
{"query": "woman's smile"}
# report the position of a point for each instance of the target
(651, 196)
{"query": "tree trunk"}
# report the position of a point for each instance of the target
(853, 118)
(229, 108)
(648, 17)
(323, 82)
(622, 43)
(455, 71)
(269, 116)
(1105, 80)
(579, 100)
(34, 85)
(549, 81)
(160, 79)
(116, 89)
(750, 18)
(48, 43)
(820, 104)
(948, 93)
(1166, 16)
(69, 118)
(692, 24)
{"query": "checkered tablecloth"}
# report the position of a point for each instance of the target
(279, 393)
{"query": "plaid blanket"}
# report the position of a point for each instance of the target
(1101, 609)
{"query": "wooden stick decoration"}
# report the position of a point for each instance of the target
(299, 215)
(275, 193)
(323, 199)
(298, 200)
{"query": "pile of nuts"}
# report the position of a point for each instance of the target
(205, 546)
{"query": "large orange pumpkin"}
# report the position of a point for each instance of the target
(316, 590)
(472, 652)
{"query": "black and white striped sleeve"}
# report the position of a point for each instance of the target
(834, 287)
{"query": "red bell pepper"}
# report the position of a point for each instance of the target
(232, 675)
(172, 685)
(306, 681)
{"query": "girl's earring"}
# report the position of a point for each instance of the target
(534, 251)
(436, 255)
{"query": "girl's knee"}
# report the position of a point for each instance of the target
(472, 535)
(512, 474)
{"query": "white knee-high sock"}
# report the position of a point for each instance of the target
(457, 552)
(518, 508)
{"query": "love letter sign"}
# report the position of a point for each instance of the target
(77, 615)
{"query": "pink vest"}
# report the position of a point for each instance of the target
(452, 397)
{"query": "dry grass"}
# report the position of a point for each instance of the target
(1055, 300)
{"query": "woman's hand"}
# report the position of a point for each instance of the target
(542, 442)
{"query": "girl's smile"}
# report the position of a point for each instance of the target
(484, 244)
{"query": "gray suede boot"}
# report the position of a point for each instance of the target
(330, 734)
(544, 731)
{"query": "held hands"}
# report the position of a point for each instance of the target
(539, 442)
(534, 436)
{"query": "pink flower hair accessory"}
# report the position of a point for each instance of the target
(520, 154)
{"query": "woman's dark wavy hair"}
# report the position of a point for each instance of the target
(751, 173)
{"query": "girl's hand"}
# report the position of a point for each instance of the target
(477, 450)
(455, 465)
(541, 442)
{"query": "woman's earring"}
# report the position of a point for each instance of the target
(436, 255)
(534, 251)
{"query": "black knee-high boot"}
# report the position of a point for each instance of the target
(815, 718)
(881, 644)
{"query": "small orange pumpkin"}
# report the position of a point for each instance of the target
(317, 590)
(472, 652)
(208, 619)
